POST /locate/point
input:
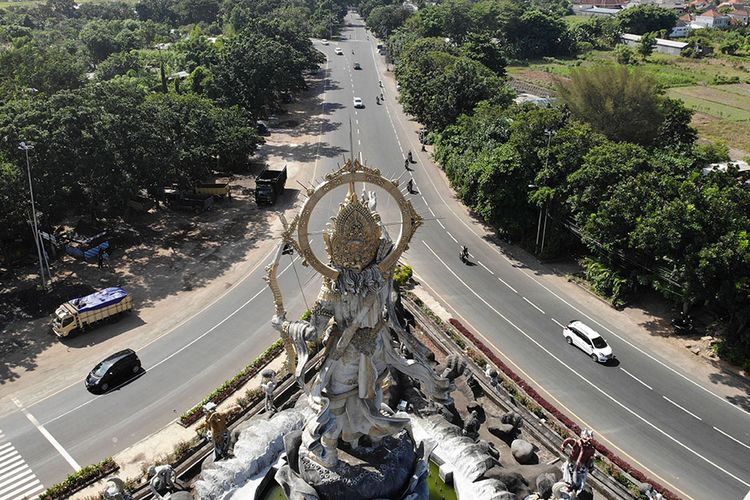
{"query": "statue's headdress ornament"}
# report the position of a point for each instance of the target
(352, 242)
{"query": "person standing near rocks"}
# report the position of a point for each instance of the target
(580, 460)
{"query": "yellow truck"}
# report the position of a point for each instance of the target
(81, 313)
(220, 190)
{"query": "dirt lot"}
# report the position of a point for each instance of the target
(173, 264)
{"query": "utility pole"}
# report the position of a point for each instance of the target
(25, 147)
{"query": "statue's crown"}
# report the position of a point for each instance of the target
(353, 241)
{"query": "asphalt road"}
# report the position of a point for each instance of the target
(644, 407)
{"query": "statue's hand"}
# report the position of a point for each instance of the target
(278, 321)
(302, 331)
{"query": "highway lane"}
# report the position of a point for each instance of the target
(673, 425)
(504, 302)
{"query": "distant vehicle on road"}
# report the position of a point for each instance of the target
(357, 66)
(358, 102)
(80, 313)
(113, 371)
(324, 41)
(588, 340)
(269, 185)
(339, 52)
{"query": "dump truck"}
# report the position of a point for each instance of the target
(220, 190)
(81, 313)
(269, 185)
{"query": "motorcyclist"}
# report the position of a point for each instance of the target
(377, 99)
(352, 51)
(464, 253)
(409, 156)
(410, 186)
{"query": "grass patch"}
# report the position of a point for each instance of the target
(668, 71)
(735, 134)
(725, 101)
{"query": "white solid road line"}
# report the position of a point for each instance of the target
(62, 451)
(584, 379)
(684, 409)
(637, 379)
(17, 480)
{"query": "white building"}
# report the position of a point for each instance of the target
(712, 18)
(662, 46)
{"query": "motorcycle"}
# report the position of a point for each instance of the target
(683, 324)
(464, 255)
(377, 100)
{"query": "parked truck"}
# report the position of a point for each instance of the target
(269, 185)
(81, 313)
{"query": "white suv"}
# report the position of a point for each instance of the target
(588, 340)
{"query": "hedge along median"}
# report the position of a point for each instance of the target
(230, 386)
(533, 394)
(80, 479)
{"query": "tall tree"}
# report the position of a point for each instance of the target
(622, 104)
(643, 19)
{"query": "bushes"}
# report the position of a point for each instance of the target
(402, 275)
(607, 282)
(80, 479)
(230, 386)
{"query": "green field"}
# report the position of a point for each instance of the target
(730, 102)
(669, 71)
(722, 111)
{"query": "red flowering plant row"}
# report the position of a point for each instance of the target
(533, 394)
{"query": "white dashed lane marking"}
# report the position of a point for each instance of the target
(506, 284)
(637, 379)
(17, 480)
(683, 408)
(533, 305)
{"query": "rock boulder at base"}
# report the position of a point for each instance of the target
(523, 451)
(544, 484)
(380, 472)
(513, 481)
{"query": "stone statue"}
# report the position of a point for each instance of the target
(162, 480)
(354, 317)
(219, 433)
(268, 384)
(116, 490)
(580, 460)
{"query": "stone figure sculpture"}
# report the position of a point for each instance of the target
(162, 480)
(353, 316)
(116, 490)
(219, 432)
(268, 384)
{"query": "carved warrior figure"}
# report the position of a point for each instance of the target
(162, 480)
(353, 316)
(268, 384)
(217, 425)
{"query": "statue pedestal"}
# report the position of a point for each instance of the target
(383, 471)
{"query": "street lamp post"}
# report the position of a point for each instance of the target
(25, 147)
(541, 231)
